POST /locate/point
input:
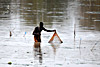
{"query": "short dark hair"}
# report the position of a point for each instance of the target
(41, 23)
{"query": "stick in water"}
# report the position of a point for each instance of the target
(94, 45)
(10, 34)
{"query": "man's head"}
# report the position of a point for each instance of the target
(41, 24)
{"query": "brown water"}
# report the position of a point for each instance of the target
(68, 17)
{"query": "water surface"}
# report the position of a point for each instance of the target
(76, 22)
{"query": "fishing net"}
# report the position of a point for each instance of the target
(55, 39)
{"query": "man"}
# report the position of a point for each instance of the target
(37, 32)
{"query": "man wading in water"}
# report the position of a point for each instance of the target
(37, 32)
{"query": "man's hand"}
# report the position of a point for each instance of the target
(54, 30)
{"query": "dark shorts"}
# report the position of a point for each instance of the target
(37, 38)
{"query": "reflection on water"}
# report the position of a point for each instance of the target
(33, 11)
(90, 12)
(38, 54)
(55, 46)
(47, 11)
(37, 51)
(5, 8)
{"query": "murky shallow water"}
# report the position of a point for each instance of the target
(67, 16)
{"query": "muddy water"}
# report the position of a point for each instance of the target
(76, 22)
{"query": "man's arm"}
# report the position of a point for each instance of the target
(48, 30)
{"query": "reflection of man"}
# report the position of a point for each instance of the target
(37, 32)
(37, 51)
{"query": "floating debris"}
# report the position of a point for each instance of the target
(31, 62)
(27, 52)
(9, 63)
